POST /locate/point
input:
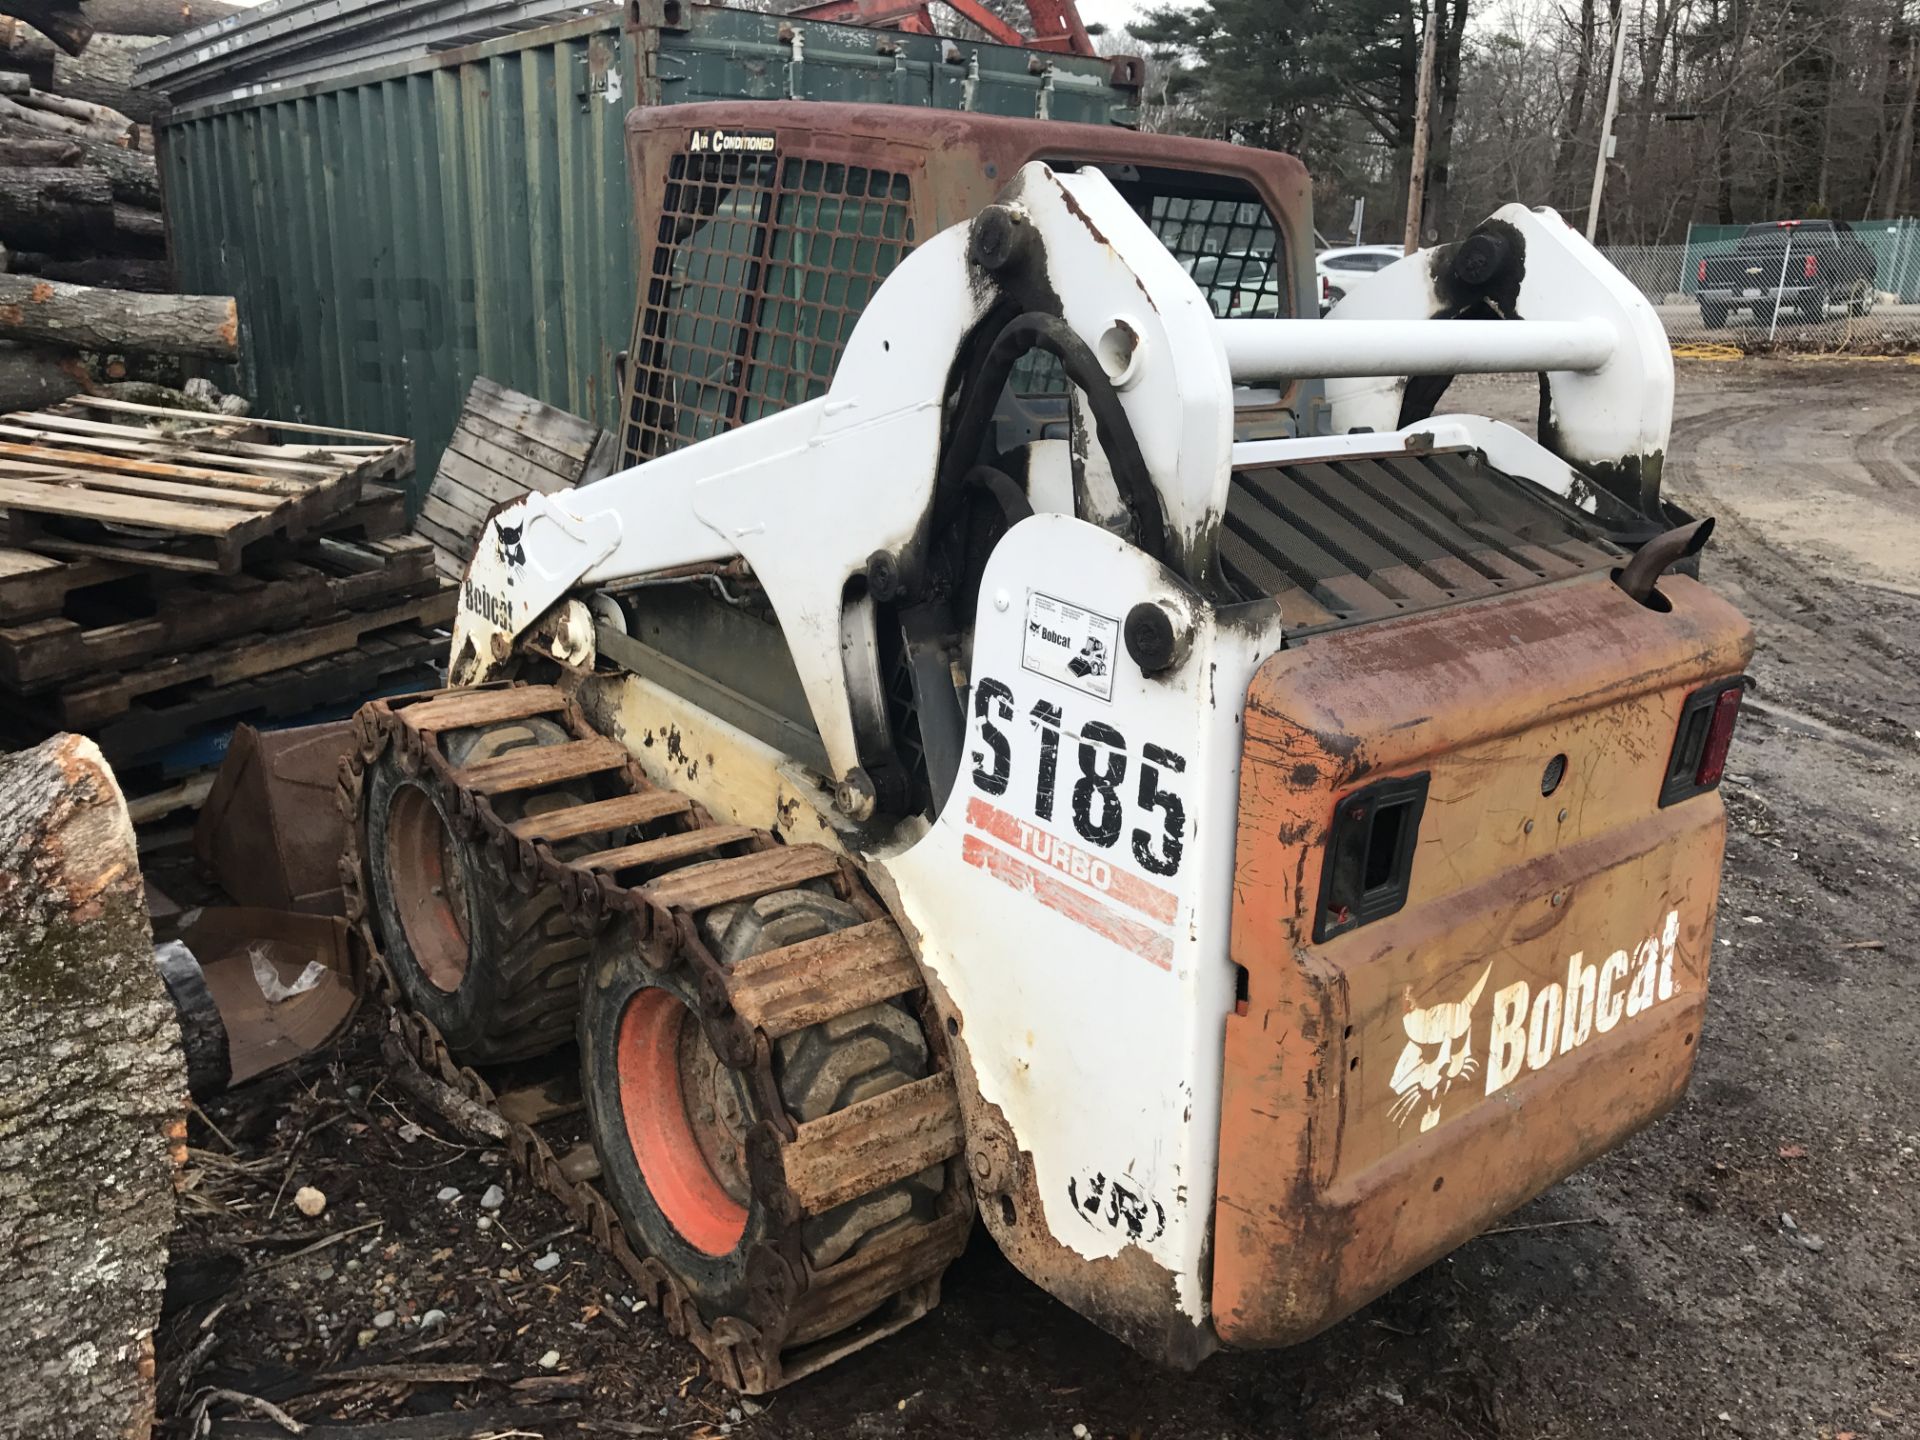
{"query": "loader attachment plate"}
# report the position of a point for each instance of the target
(1475, 944)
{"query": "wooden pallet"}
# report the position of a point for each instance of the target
(34, 586)
(92, 703)
(505, 445)
(175, 489)
(382, 457)
(402, 656)
(105, 630)
(380, 514)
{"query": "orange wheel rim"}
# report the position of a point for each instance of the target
(428, 888)
(671, 1143)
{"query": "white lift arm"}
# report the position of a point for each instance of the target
(807, 495)
(1607, 414)
(1264, 351)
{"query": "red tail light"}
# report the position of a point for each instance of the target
(1811, 266)
(1713, 759)
(1703, 272)
(1700, 744)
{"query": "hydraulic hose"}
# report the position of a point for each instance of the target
(1036, 330)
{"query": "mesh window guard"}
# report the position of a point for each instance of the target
(1227, 246)
(760, 268)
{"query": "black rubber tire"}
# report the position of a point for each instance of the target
(520, 992)
(1814, 307)
(1713, 316)
(820, 1070)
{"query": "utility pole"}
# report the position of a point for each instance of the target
(1422, 109)
(1606, 121)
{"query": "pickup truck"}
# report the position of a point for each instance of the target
(1802, 266)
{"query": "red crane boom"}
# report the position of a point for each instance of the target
(1056, 23)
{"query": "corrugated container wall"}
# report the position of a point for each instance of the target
(392, 234)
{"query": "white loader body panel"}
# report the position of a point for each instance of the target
(1072, 900)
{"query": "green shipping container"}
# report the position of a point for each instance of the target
(394, 232)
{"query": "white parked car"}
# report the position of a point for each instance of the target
(1241, 282)
(1341, 269)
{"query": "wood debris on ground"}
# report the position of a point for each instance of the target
(405, 1307)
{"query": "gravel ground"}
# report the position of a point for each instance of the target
(1748, 1267)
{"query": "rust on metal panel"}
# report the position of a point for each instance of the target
(718, 881)
(529, 769)
(1130, 1294)
(667, 848)
(487, 707)
(1392, 1090)
(601, 816)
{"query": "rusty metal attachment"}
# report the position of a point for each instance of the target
(801, 1316)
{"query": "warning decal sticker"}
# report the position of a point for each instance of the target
(1074, 646)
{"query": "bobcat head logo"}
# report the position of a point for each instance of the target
(510, 548)
(1439, 1051)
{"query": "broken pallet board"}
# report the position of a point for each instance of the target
(383, 457)
(174, 489)
(35, 585)
(166, 797)
(380, 514)
(403, 656)
(107, 632)
(93, 703)
(505, 445)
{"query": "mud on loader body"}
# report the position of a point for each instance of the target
(1016, 744)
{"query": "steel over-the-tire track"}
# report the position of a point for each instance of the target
(797, 1170)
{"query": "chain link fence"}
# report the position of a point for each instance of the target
(1802, 286)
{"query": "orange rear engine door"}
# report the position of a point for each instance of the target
(1403, 1080)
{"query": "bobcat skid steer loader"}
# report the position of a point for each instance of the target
(1018, 744)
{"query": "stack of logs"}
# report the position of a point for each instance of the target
(83, 259)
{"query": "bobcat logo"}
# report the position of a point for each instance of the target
(1123, 1206)
(511, 549)
(1421, 1078)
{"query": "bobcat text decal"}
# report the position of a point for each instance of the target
(1528, 1028)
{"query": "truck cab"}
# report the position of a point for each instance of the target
(1807, 268)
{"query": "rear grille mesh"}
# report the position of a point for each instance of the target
(1338, 542)
(759, 270)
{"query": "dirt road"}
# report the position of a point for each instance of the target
(1663, 1292)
